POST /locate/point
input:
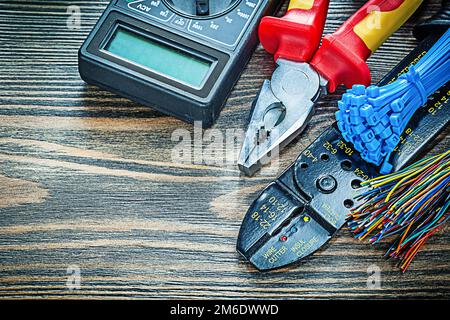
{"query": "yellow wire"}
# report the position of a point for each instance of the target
(415, 173)
(380, 181)
(436, 173)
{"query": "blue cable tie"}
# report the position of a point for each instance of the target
(367, 136)
(358, 100)
(346, 99)
(340, 126)
(354, 111)
(413, 77)
(358, 90)
(386, 133)
(359, 129)
(392, 141)
(398, 105)
(386, 168)
(357, 143)
(396, 119)
(366, 111)
(373, 118)
(346, 118)
(378, 129)
(355, 120)
(373, 145)
(373, 91)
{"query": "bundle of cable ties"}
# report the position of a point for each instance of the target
(409, 205)
(374, 118)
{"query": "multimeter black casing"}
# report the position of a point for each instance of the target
(229, 45)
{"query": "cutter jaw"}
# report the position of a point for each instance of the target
(274, 242)
(282, 110)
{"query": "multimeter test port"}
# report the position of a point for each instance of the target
(179, 57)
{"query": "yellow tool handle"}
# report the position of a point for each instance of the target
(301, 4)
(380, 19)
(341, 59)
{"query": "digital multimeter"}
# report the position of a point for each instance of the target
(181, 57)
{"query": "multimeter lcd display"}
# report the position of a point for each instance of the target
(159, 57)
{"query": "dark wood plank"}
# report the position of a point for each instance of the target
(87, 179)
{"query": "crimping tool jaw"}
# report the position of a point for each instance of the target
(283, 108)
(288, 246)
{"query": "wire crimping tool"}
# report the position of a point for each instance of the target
(305, 71)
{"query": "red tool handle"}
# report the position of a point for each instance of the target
(341, 58)
(297, 35)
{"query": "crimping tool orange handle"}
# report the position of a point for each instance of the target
(297, 35)
(341, 58)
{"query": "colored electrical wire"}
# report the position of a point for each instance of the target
(374, 118)
(409, 205)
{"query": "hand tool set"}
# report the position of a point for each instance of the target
(310, 201)
(184, 57)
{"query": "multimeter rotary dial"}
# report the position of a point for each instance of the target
(201, 8)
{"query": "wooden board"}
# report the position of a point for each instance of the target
(87, 180)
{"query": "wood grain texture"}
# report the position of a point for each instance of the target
(86, 179)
